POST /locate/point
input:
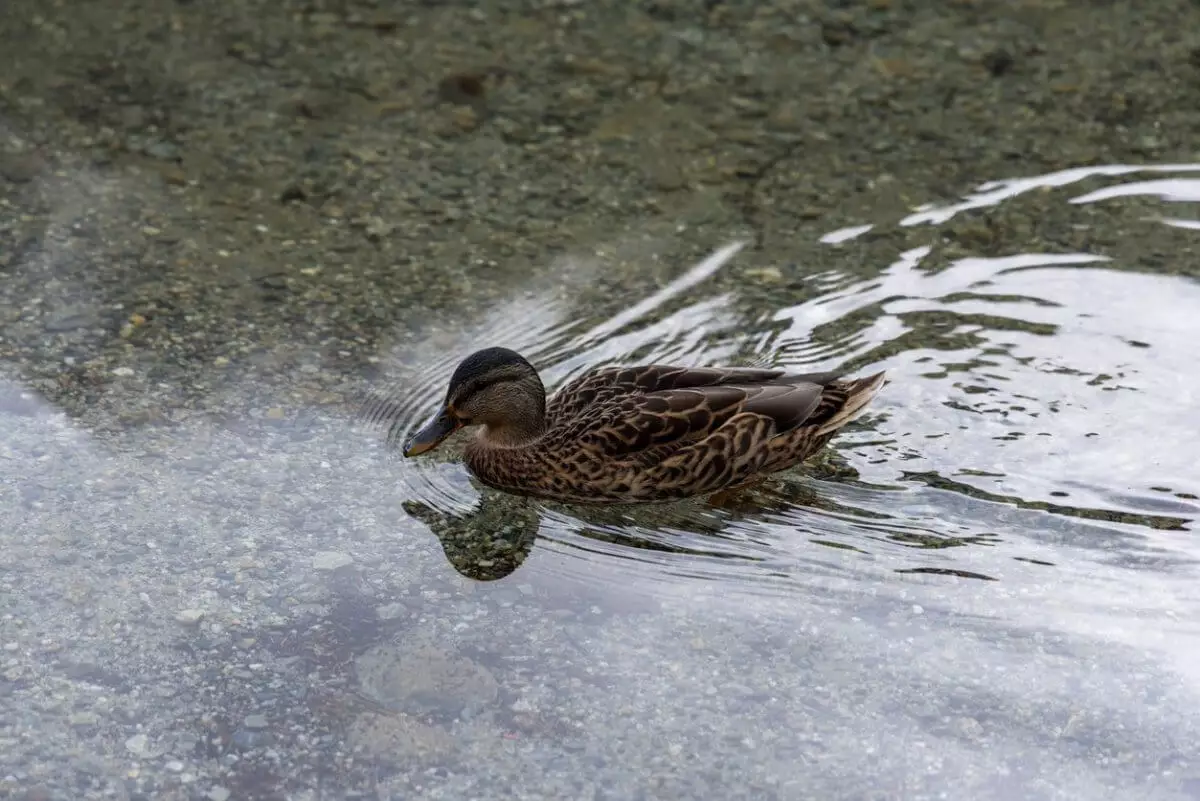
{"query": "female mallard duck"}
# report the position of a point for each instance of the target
(637, 434)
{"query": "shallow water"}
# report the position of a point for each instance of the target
(988, 591)
(1051, 382)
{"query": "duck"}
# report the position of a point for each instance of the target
(637, 434)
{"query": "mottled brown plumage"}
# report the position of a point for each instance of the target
(637, 434)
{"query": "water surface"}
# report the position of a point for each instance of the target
(987, 589)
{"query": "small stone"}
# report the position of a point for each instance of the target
(133, 117)
(246, 740)
(136, 745)
(83, 719)
(378, 229)
(331, 560)
(275, 413)
(917, 609)
(162, 150)
(969, 728)
(836, 33)
(70, 319)
(122, 371)
(665, 176)
(19, 168)
(463, 88)
(256, 722)
(218, 793)
(465, 118)
(174, 176)
(175, 766)
(998, 61)
(398, 738)
(292, 192)
(766, 275)
(189, 617)
(389, 611)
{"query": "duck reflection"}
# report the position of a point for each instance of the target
(493, 539)
(488, 543)
(823, 505)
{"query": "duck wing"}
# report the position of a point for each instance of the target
(607, 383)
(654, 424)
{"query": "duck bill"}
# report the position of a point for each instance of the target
(432, 434)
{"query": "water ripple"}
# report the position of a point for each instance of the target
(1033, 417)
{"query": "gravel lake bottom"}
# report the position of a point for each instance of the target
(224, 225)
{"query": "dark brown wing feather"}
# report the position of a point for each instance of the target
(749, 444)
(833, 398)
(651, 412)
(606, 383)
(679, 416)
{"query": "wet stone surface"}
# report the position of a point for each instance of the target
(425, 680)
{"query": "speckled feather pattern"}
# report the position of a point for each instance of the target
(659, 432)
